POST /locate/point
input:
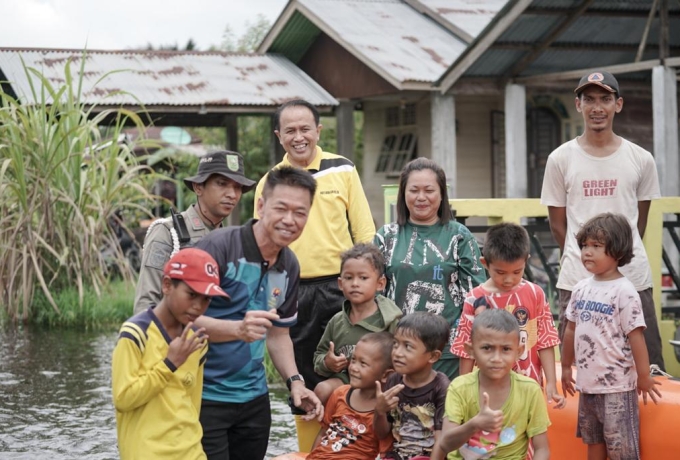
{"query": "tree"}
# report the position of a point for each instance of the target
(249, 41)
(190, 46)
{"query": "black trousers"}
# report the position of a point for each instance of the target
(318, 300)
(236, 431)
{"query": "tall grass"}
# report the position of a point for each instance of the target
(95, 313)
(61, 182)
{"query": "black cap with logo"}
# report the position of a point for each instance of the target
(600, 78)
(225, 163)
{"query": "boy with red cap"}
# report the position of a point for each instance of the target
(158, 364)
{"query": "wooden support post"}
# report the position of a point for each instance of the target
(344, 114)
(516, 141)
(665, 118)
(443, 109)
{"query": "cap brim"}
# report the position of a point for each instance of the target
(246, 184)
(596, 83)
(209, 289)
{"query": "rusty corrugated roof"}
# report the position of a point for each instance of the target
(180, 78)
(470, 16)
(399, 43)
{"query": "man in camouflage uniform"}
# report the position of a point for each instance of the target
(219, 184)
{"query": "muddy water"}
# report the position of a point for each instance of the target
(55, 398)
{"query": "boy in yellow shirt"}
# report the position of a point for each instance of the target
(492, 411)
(158, 365)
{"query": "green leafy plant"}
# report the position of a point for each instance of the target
(63, 188)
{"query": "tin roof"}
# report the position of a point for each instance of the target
(529, 38)
(405, 47)
(168, 78)
(465, 18)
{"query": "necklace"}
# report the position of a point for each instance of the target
(215, 225)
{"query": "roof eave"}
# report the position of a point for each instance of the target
(617, 69)
(496, 27)
(275, 30)
(457, 31)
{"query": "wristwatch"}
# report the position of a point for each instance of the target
(293, 378)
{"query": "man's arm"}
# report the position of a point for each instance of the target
(280, 349)
(156, 253)
(359, 212)
(253, 326)
(643, 213)
(557, 218)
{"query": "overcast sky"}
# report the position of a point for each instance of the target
(122, 24)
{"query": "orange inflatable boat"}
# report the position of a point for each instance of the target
(659, 427)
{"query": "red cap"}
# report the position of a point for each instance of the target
(198, 269)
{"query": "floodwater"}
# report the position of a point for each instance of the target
(55, 398)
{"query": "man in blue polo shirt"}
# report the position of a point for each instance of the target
(261, 275)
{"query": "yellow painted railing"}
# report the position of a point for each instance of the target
(497, 210)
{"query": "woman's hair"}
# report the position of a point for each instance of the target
(419, 164)
(611, 230)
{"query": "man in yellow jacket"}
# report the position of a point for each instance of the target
(340, 217)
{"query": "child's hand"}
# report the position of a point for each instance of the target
(553, 396)
(335, 363)
(646, 385)
(182, 347)
(388, 400)
(568, 381)
(488, 419)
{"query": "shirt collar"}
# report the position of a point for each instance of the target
(314, 165)
(252, 251)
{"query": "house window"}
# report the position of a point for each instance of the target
(397, 150)
(409, 115)
(392, 117)
(400, 143)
